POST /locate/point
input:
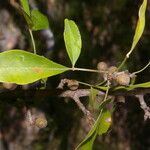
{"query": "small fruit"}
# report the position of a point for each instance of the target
(40, 122)
(112, 69)
(123, 79)
(102, 66)
(73, 85)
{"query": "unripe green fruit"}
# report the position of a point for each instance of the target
(123, 79)
(102, 66)
(112, 69)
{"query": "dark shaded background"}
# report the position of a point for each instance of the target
(107, 29)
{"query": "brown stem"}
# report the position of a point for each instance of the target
(144, 106)
(75, 96)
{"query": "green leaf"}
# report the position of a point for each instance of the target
(140, 26)
(93, 93)
(72, 40)
(21, 67)
(25, 6)
(27, 18)
(101, 126)
(104, 88)
(39, 20)
(127, 88)
(93, 98)
(103, 104)
(87, 143)
(104, 122)
(132, 87)
(25, 13)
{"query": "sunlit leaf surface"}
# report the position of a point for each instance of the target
(21, 67)
(39, 20)
(72, 39)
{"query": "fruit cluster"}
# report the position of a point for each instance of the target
(113, 75)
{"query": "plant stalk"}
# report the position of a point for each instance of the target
(139, 71)
(33, 41)
(88, 70)
(106, 94)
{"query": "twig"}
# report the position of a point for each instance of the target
(122, 63)
(144, 106)
(106, 94)
(84, 110)
(20, 93)
(139, 71)
(79, 92)
(75, 96)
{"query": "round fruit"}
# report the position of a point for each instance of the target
(123, 79)
(102, 66)
(73, 85)
(112, 69)
(41, 122)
